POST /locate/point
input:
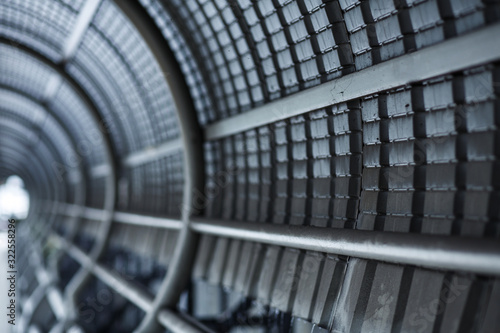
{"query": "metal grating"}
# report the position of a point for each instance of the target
(46, 24)
(281, 166)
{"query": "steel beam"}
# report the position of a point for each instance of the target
(125, 288)
(82, 23)
(454, 253)
(100, 171)
(122, 217)
(466, 254)
(179, 270)
(147, 221)
(152, 153)
(469, 50)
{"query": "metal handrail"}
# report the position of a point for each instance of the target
(458, 253)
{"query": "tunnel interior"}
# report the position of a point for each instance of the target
(305, 166)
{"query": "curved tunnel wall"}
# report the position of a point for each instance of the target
(291, 166)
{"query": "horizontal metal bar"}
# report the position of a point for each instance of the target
(70, 210)
(95, 214)
(82, 22)
(453, 55)
(147, 221)
(122, 217)
(475, 255)
(87, 212)
(152, 153)
(100, 171)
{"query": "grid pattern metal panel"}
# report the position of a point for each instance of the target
(98, 56)
(429, 156)
(186, 58)
(45, 24)
(417, 162)
(428, 159)
(90, 139)
(305, 170)
(103, 97)
(157, 187)
(33, 117)
(31, 78)
(17, 75)
(274, 48)
(147, 92)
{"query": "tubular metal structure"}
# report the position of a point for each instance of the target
(265, 166)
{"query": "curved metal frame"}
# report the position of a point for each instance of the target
(80, 197)
(180, 265)
(30, 182)
(383, 246)
(20, 138)
(80, 278)
(13, 151)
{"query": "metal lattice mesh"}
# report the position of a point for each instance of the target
(452, 123)
(31, 78)
(184, 56)
(314, 187)
(138, 69)
(120, 133)
(271, 50)
(16, 76)
(154, 190)
(280, 169)
(428, 157)
(89, 142)
(98, 56)
(26, 111)
(45, 24)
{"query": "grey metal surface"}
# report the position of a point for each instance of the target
(421, 65)
(151, 154)
(78, 30)
(180, 265)
(479, 256)
(175, 324)
(294, 166)
(128, 290)
(466, 254)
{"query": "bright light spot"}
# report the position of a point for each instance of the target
(14, 199)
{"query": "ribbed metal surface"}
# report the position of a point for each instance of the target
(271, 166)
